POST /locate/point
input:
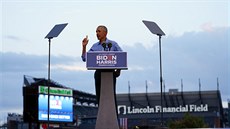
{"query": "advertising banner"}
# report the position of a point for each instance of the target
(106, 60)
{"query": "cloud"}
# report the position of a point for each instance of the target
(11, 37)
(198, 51)
(15, 38)
(207, 27)
(16, 62)
(21, 62)
(190, 56)
(136, 68)
(64, 67)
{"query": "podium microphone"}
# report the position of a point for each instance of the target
(104, 45)
(109, 46)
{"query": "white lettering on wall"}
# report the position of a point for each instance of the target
(123, 109)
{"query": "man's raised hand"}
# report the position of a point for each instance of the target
(85, 41)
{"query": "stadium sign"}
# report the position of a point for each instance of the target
(55, 91)
(123, 109)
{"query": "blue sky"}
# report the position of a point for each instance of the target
(196, 44)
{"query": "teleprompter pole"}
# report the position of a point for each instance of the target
(48, 112)
(161, 79)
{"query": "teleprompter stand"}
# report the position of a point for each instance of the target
(56, 30)
(107, 113)
(155, 29)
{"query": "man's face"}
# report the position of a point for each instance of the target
(101, 33)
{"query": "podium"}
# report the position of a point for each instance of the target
(107, 60)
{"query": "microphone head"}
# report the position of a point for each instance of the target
(110, 45)
(103, 45)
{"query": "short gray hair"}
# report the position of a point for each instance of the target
(104, 27)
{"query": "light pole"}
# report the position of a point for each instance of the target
(155, 29)
(57, 29)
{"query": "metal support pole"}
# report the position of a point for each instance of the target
(48, 118)
(161, 79)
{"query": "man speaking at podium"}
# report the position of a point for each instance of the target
(104, 44)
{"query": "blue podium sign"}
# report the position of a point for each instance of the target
(106, 60)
